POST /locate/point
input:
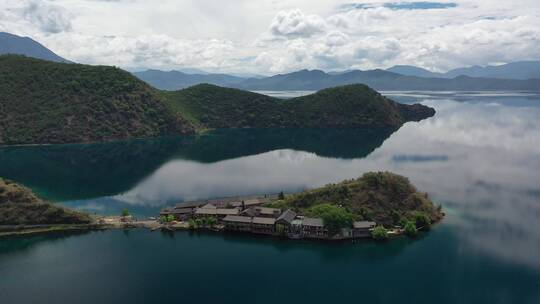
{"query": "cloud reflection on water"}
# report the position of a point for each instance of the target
(489, 179)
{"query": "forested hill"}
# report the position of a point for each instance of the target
(213, 107)
(47, 102)
(384, 197)
(43, 102)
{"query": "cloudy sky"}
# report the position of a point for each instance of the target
(273, 36)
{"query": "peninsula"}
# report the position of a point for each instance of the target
(376, 205)
(21, 211)
(43, 102)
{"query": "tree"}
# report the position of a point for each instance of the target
(422, 220)
(334, 217)
(125, 212)
(170, 218)
(396, 217)
(379, 233)
(210, 221)
(410, 229)
(281, 196)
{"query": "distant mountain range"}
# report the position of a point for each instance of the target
(515, 70)
(13, 44)
(317, 80)
(524, 75)
(175, 80)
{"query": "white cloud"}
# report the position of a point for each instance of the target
(270, 36)
(295, 23)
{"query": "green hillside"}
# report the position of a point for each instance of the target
(43, 102)
(383, 197)
(47, 102)
(213, 107)
(19, 206)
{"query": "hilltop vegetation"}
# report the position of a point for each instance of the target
(213, 107)
(45, 102)
(48, 102)
(19, 206)
(386, 198)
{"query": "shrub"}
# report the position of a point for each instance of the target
(379, 233)
(410, 229)
(422, 220)
(125, 212)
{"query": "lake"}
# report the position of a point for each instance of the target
(479, 157)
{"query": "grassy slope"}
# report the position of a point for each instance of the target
(46, 102)
(374, 196)
(19, 206)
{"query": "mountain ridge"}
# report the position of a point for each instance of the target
(519, 70)
(316, 80)
(13, 44)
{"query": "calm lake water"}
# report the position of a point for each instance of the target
(479, 157)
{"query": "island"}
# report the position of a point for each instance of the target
(44, 102)
(377, 205)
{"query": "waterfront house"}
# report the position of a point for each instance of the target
(229, 202)
(209, 206)
(263, 225)
(295, 229)
(237, 223)
(217, 212)
(191, 205)
(314, 228)
(180, 214)
(286, 217)
(284, 221)
(262, 212)
(268, 212)
(362, 229)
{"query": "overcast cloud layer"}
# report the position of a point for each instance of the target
(271, 36)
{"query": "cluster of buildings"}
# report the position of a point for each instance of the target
(248, 215)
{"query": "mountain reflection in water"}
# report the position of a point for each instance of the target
(85, 171)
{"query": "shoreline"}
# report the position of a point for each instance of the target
(112, 223)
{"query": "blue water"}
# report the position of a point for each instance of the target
(479, 157)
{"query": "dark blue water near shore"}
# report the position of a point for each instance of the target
(146, 267)
(479, 157)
